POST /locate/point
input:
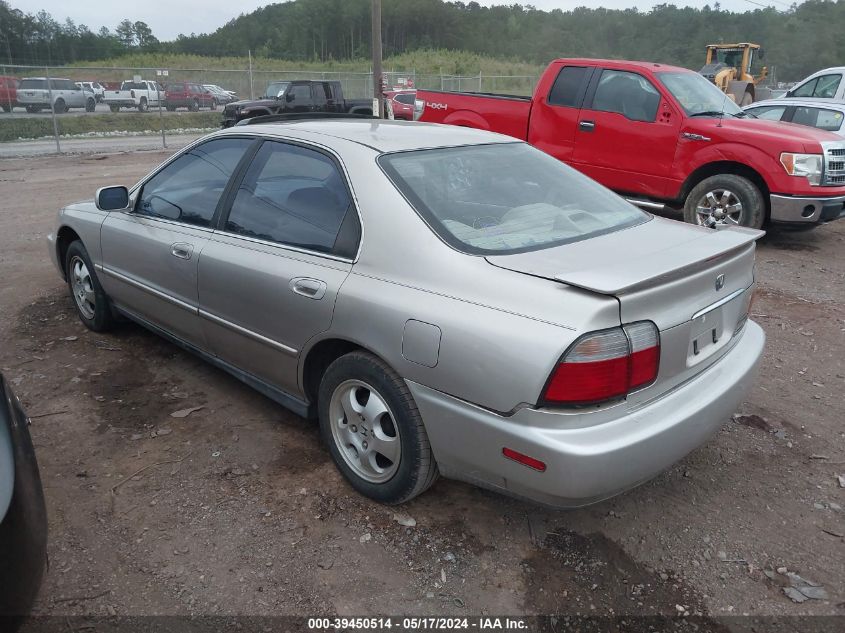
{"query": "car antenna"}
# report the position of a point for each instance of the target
(722, 113)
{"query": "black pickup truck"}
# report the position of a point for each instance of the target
(287, 97)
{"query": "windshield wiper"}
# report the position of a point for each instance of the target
(711, 113)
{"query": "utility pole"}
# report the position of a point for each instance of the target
(377, 57)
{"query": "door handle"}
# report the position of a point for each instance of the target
(587, 126)
(307, 287)
(182, 250)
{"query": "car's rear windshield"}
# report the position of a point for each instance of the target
(33, 83)
(505, 198)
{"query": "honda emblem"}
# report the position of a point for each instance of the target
(720, 282)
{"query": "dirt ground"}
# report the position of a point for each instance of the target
(237, 508)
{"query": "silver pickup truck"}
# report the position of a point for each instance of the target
(135, 94)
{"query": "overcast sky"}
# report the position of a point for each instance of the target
(168, 18)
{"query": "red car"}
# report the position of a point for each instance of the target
(402, 102)
(665, 136)
(8, 93)
(184, 94)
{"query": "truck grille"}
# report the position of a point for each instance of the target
(834, 164)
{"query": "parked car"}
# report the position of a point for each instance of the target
(223, 96)
(8, 93)
(443, 300)
(286, 97)
(824, 115)
(825, 84)
(95, 87)
(34, 94)
(23, 515)
(184, 94)
(142, 95)
(402, 102)
(664, 136)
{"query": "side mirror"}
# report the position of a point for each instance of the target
(112, 198)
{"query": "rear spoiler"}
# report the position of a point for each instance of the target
(673, 262)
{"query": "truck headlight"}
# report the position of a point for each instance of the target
(807, 165)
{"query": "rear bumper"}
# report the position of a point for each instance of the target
(802, 210)
(585, 464)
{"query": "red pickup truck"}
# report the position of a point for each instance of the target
(664, 137)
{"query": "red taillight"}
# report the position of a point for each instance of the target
(606, 365)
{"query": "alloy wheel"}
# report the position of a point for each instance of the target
(83, 288)
(364, 431)
(718, 207)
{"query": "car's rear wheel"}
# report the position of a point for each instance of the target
(195, 106)
(90, 104)
(214, 104)
(60, 106)
(91, 302)
(114, 108)
(371, 424)
(725, 199)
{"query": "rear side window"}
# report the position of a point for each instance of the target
(830, 120)
(292, 195)
(300, 93)
(189, 188)
(566, 91)
(629, 94)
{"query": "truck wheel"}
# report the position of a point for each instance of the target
(142, 105)
(90, 104)
(373, 429)
(60, 106)
(114, 108)
(725, 199)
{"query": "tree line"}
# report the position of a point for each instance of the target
(797, 40)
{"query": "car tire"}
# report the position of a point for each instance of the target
(60, 107)
(114, 108)
(90, 104)
(213, 104)
(143, 106)
(386, 416)
(195, 106)
(90, 300)
(7, 108)
(714, 201)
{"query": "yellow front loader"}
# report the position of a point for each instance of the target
(729, 67)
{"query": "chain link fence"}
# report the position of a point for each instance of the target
(38, 102)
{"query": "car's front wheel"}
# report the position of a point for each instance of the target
(725, 199)
(92, 303)
(373, 429)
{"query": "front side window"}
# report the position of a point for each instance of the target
(406, 97)
(292, 195)
(189, 188)
(300, 93)
(822, 118)
(566, 89)
(276, 89)
(771, 113)
(505, 198)
(629, 94)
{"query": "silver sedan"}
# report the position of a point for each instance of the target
(444, 301)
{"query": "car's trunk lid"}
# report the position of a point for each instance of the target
(693, 283)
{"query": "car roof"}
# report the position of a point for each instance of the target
(619, 64)
(793, 101)
(377, 134)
